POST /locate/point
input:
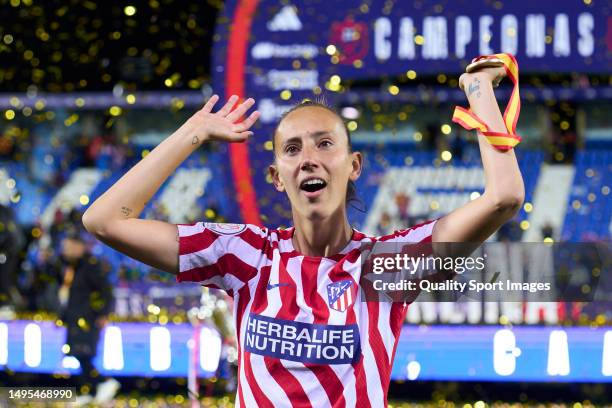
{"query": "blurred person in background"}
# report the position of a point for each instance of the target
(547, 231)
(384, 224)
(85, 299)
(11, 242)
(431, 136)
(402, 201)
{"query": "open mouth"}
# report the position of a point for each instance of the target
(313, 185)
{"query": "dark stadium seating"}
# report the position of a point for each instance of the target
(589, 208)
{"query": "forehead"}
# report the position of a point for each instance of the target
(308, 120)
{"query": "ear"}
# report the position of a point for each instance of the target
(274, 175)
(357, 165)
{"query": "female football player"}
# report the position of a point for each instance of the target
(305, 337)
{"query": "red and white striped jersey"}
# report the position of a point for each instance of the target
(305, 338)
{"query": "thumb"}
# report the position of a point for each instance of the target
(241, 137)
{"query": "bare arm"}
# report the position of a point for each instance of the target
(113, 217)
(504, 189)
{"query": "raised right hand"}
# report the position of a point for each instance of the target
(223, 125)
(114, 217)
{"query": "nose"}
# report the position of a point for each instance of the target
(309, 161)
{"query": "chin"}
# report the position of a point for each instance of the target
(318, 210)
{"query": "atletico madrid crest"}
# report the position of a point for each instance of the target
(340, 295)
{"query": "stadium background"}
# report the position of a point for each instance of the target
(89, 88)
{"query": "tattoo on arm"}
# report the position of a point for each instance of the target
(474, 87)
(195, 140)
(126, 211)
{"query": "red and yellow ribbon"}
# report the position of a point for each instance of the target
(501, 141)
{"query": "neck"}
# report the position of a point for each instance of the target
(321, 236)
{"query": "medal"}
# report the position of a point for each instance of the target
(468, 120)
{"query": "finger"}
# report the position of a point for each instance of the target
(497, 80)
(247, 123)
(210, 104)
(227, 108)
(462, 81)
(241, 110)
(238, 137)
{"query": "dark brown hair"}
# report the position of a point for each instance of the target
(351, 190)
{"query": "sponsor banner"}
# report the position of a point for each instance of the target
(124, 349)
(302, 342)
(373, 40)
(267, 50)
(458, 353)
(278, 79)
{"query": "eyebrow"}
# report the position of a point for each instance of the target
(313, 135)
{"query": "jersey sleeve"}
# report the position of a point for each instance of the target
(222, 256)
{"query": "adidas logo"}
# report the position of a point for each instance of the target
(285, 20)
